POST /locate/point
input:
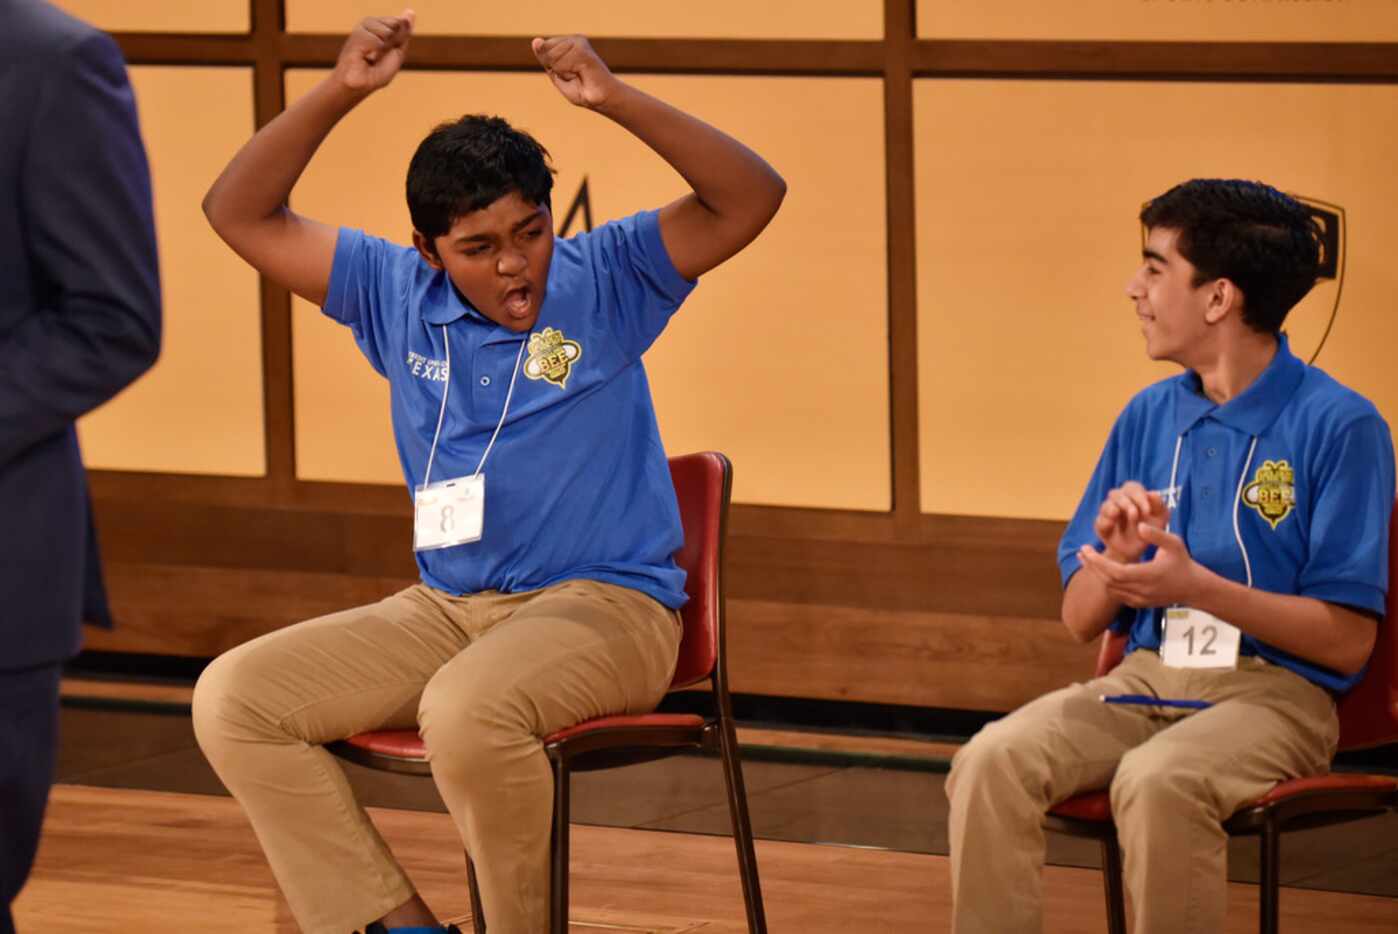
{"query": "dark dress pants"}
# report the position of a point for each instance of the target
(28, 734)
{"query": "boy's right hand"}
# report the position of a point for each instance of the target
(374, 52)
(1118, 520)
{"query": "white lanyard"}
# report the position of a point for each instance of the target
(441, 414)
(1193, 638)
(1237, 495)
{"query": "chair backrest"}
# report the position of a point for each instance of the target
(1111, 651)
(703, 484)
(1369, 713)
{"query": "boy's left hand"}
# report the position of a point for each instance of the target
(576, 70)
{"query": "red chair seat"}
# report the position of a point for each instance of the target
(1096, 806)
(399, 744)
(406, 744)
(681, 720)
(1093, 806)
(1335, 781)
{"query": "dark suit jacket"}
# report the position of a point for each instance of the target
(79, 309)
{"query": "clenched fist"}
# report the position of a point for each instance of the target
(374, 52)
(576, 70)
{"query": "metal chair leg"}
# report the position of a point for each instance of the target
(477, 912)
(558, 881)
(1270, 876)
(742, 827)
(1111, 879)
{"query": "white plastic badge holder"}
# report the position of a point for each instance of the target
(451, 512)
(1195, 639)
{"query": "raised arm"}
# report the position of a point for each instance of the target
(247, 203)
(735, 193)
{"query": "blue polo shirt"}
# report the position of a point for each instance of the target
(577, 484)
(1313, 504)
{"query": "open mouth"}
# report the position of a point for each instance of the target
(519, 302)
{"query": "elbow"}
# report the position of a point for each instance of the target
(763, 206)
(777, 193)
(219, 212)
(149, 353)
(1354, 643)
(1081, 624)
(779, 186)
(139, 351)
(1080, 630)
(1072, 619)
(211, 207)
(1352, 662)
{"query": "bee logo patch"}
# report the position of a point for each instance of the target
(551, 357)
(1272, 491)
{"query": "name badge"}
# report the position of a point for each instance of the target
(1195, 639)
(449, 512)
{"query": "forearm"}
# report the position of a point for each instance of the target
(726, 176)
(1088, 608)
(1319, 632)
(258, 181)
(246, 205)
(735, 192)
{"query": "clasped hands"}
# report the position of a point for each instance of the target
(1130, 521)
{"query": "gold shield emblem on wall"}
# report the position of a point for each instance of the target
(1309, 324)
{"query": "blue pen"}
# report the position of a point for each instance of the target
(1146, 700)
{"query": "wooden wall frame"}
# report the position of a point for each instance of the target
(895, 607)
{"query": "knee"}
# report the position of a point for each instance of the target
(219, 709)
(468, 729)
(990, 759)
(1153, 779)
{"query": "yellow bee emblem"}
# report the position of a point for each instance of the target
(1272, 491)
(551, 357)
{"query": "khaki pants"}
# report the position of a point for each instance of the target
(483, 677)
(1174, 777)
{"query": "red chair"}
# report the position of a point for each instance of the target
(1368, 717)
(703, 483)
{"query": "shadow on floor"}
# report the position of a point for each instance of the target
(835, 802)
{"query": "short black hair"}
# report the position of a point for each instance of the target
(1265, 242)
(468, 164)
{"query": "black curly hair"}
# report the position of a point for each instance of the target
(1262, 240)
(465, 165)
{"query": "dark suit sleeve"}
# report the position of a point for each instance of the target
(85, 205)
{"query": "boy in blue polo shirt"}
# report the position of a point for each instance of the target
(549, 594)
(1237, 527)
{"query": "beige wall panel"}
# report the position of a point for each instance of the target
(716, 19)
(798, 321)
(1204, 20)
(161, 15)
(200, 409)
(1027, 196)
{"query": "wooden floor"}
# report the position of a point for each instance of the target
(152, 862)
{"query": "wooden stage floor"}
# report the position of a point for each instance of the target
(120, 860)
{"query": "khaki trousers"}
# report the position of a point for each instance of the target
(1174, 778)
(483, 677)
